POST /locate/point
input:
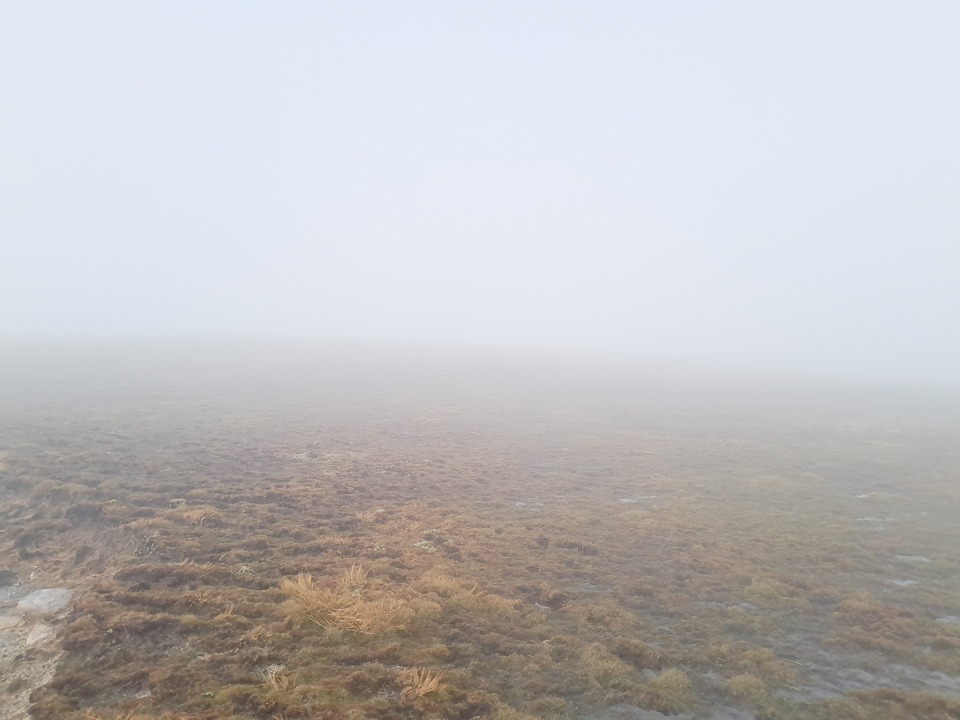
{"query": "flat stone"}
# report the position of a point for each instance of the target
(40, 633)
(8, 578)
(46, 600)
(9, 621)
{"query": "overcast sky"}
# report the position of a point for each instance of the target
(766, 183)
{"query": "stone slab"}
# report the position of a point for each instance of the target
(45, 600)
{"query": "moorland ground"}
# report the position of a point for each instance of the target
(296, 531)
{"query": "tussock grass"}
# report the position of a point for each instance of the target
(752, 660)
(606, 613)
(346, 605)
(767, 589)
(201, 515)
(467, 595)
(669, 692)
(419, 682)
(747, 687)
(602, 668)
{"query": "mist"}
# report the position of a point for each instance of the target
(738, 184)
(571, 360)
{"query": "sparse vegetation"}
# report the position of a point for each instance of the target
(334, 566)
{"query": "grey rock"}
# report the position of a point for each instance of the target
(46, 600)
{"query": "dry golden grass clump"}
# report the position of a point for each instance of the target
(864, 611)
(487, 603)
(419, 682)
(602, 668)
(747, 687)
(752, 660)
(767, 589)
(638, 653)
(199, 515)
(467, 596)
(353, 580)
(892, 705)
(347, 605)
(864, 621)
(440, 583)
(606, 613)
(668, 692)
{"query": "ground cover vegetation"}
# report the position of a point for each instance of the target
(354, 545)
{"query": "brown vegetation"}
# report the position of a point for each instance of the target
(347, 605)
(543, 562)
(419, 682)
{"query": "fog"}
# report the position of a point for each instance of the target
(748, 184)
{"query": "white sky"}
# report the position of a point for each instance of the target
(765, 183)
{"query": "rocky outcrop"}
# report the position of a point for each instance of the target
(28, 641)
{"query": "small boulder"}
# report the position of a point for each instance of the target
(46, 600)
